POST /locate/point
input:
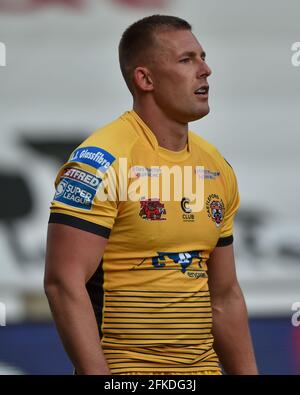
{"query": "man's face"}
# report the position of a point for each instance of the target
(179, 74)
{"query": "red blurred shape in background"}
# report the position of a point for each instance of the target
(143, 3)
(28, 5)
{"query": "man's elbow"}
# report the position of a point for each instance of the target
(55, 284)
(52, 286)
(58, 286)
(231, 296)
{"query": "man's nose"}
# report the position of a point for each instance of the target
(204, 70)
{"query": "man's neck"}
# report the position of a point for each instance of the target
(169, 133)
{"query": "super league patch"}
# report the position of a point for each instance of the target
(93, 156)
(77, 188)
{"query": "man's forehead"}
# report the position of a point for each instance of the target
(177, 41)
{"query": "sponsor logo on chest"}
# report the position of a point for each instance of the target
(152, 210)
(188, 216)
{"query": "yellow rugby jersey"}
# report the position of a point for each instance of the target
(150, 294)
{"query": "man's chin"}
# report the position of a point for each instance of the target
(200, 114)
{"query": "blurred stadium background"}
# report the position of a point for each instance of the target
(62, 81)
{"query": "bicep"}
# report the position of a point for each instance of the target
(72, 254)
(221, 271)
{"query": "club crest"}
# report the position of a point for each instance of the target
(152, 210)
(215, 209)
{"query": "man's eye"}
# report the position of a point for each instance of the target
(185, 60)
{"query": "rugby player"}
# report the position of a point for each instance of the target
(148, 285)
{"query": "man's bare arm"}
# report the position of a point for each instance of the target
(230, 319)
(72, 258)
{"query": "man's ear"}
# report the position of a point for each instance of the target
(142, 79)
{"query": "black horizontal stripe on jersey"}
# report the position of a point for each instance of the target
(160, 321)
(136, 301)
(196, 349)
(114, 363)
(138, 343)
(146, 356)
(179, 369)
(79, 223)
(158, 351)
(110, 297)
(169, 357)
(198, 364)
(156, 370)
(151, 292)
(159, 368)
(111, 332)
(155, 312)
(111, 356)
(156, 320)
(112, 317)
(165, 268)
(225, 241)
(186, 351)
(127, 339)
(157, 323)
(158, 336)
(168, 323)
(117, 361)
(155, 297)
(153, 307)
(118, 308)
(132, 331)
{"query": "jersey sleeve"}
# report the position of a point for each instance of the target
(86, 191)
(231, 207)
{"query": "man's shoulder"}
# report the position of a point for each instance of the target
(116, 137)
(206, 146)
(211, 150)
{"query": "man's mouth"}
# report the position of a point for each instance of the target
(203, 90)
